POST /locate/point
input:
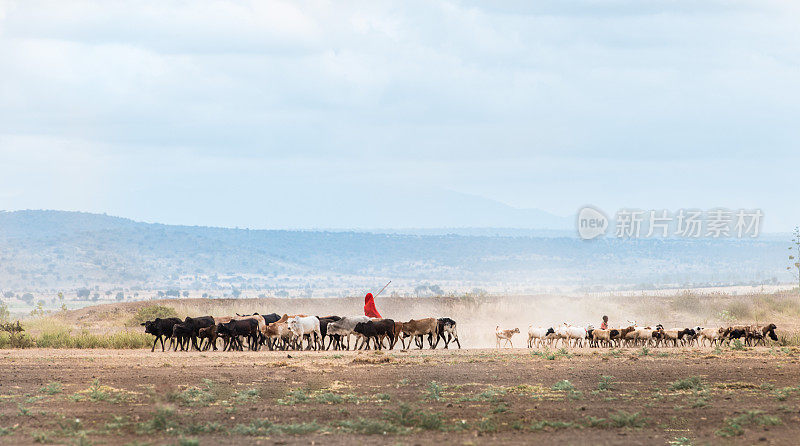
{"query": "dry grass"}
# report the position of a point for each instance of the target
(476, 316)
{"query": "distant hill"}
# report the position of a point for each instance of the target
(55, 249)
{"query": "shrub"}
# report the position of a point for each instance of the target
(692, 383)
(625, 419)
(563, 385)
(151, 312)
(734, 426)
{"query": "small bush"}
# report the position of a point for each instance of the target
(625, 419)
(540, 425)
(151, 312)
(434, 391)
(369, 427)
(52, 388)
(691, 383)
(563, 385)
(735, 426)
(606, 383)
(195, 396)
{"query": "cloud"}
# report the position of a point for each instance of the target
(483, 98)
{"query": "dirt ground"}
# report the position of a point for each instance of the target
(513, 396)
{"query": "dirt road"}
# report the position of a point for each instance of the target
(453, 397)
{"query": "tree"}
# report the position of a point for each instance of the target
(185, 294)
(120, 296)
(794, 254)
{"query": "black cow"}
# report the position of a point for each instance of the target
(375, 330)
(160, 328)
(323, 328)
(180, 336)
(235, 329)
(195, 324)
(447, 327)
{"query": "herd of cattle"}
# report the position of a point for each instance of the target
(325, 332)
(298, 332)
(634, 335)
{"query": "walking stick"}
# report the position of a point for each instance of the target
(384, 287)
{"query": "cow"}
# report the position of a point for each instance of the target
(418, 328)
(195, 324)
(244, 327)
(181, 334)
(505, 335)
(376, 329)
(210, 334)
(344, 327)
(323, 327)
(160, 328)
(302, 326)
(447, 327)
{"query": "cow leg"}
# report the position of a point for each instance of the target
(155, 341)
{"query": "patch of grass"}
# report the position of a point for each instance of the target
(205, 428)
(294, 397)
(563, 385)
(556, 425)
(52, 388)
(738, 345)
(784, 393)
(188, 442)
(596, 422)
(6, 430)
(734, 426)
(41, 437)
(23, 411)
(162, 420)
(487, 425)
(644, 351)
(680, 441)
(266, 427)
(62, 337)
(203, 395)
(550, 355)
(408, 416)
(383, 397)
(369, 427)
(625, 419)
(434, 391)
(246, 396)
(492, 395)
(606, 383)
(691, 383)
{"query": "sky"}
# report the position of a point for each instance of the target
(318, 114)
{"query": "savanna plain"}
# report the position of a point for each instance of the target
(53, 393)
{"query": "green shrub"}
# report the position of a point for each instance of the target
(625, 419)
(691, 383)
(735, 426)
(369, 427)
(151, 312)
(15, 340)
(563, 385)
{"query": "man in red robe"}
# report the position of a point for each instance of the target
(369, 307)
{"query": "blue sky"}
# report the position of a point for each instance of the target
(398, 114)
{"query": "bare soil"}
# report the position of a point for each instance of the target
(475, 396)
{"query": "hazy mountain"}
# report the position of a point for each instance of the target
(55, 249)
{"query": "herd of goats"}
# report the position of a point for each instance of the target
(634, 335)
(294, 332)
(311, 332)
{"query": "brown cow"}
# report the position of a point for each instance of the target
(418, 328)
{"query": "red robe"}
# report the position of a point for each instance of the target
(369, 307)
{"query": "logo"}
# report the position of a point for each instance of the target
(591, 223)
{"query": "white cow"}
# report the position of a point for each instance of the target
(308, 325)
(345, 327)
(570, 332)
(536, 336)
